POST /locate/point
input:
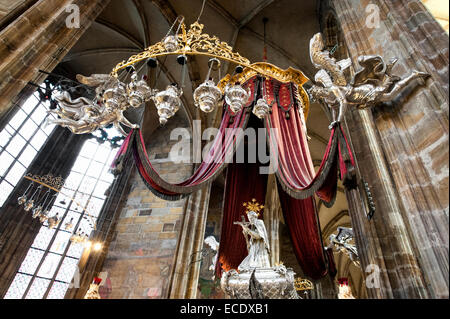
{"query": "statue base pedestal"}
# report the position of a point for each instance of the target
(267, 283)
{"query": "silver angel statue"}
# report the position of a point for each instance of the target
(257, 243)
(214, 245)
(343, 242)
(83, 116)
(370, 85)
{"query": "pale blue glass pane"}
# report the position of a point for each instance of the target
(88, 185)
(106, 176)
(73, 180)
(75, 250)
(38, 139)
(18, 287)
(15, 173)
(38, 288)
(68, 269)
(4, 137)
(28, 129)
(30, 104)
(31, 261)
(39, 114)
(100, 189)
(27, 155)
(5, 190)
(81, 164)
(48, 127)
(49, 265)
(102, 154)
(95, 169)
(80, 201)
(43, 238)
(61, 242)
(95, 206)
(17, 119)
(5, 162)
(16, 145)
(58, 290)
(89, 148)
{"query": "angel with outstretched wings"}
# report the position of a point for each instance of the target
(371, 84)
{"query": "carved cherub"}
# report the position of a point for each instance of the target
(369, 86)
(83, 116)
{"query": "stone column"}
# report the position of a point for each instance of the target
(37, 40)
(402, 150)
(187, 260)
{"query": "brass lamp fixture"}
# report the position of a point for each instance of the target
(124, 88)
(40, 204)
(193, 42)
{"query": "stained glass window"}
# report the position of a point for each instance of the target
(52, 261)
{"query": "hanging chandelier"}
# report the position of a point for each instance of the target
(207, 95)
(124, 88)
(39, 198)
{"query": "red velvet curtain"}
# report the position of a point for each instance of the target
(304, 229)
(222, 148)
(298, 182)
(287, 136)
(243, 183)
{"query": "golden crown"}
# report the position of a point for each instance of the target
(253, 206)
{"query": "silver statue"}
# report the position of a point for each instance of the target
(257, 243)
(83, 116)
(256, 278)
(372, 84)
(343, 242)
(214, 245)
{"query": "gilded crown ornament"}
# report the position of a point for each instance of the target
(301, 284)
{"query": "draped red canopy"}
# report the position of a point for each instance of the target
(298, 182)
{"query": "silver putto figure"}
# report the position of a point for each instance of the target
(369, 86)
(83, 116)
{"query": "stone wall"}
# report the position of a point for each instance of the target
(401, 148)
(141, 253)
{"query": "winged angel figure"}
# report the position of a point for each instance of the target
(372, 84)
(82, 115)
(343, 241)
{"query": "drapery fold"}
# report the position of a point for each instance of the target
(218, 157)
(296, 178)
(295, 167)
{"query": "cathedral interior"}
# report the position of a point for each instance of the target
(100, 209)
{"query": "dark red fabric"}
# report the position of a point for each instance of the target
(332, 271)
(123, 149)
(304, 229)
(345, 153)
(295, 167)
(216, 160)
(243, 183)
